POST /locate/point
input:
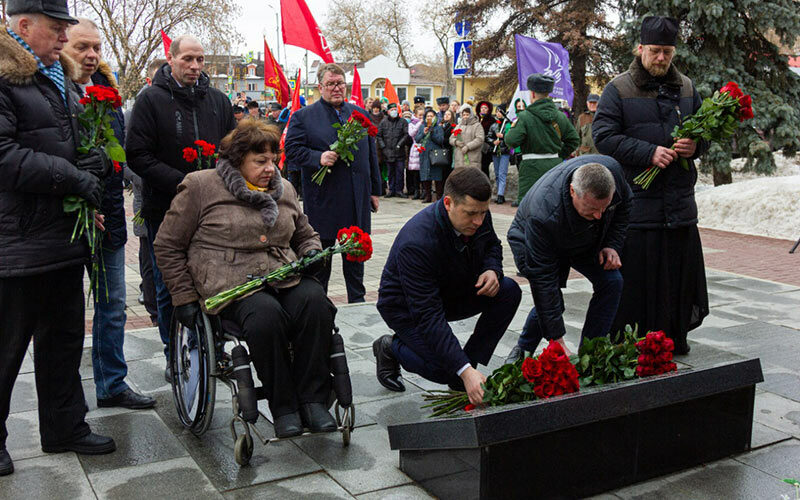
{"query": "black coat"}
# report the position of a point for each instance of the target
(38, 142)
(428, 267)
(113, 205)
(636, 113)
(547, 234)
(502, 149)
(167, 118)
(392, 137)
(343, 199)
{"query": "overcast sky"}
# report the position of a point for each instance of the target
(258, 19)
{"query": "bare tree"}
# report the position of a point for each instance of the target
(395, 24)
(132, 29)
(353, 32)
(439, 20)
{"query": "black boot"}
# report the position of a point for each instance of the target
(6, 464)
(317, 418)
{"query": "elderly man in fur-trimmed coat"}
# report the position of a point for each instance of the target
(108, 324)
(41, 271)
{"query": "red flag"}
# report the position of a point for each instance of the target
(390, 93)
(300, 29)
(355, 92)
(295, 107)
(166, 41)
(274, 77)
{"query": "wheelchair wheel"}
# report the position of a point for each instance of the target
(193, 361)
(243, 449)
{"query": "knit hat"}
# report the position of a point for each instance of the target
(658, 30)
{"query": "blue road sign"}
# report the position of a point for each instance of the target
(462, 55)
(463, 28)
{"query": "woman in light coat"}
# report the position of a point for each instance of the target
(467, 143)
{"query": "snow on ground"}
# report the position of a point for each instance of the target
(753, 204)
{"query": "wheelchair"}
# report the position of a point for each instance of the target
(198, 359)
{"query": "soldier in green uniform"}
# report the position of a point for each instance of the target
(544, 135)
(587, 146)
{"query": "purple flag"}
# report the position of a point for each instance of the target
(547, 58)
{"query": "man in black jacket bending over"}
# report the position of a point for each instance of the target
(575, 216)
(445, 265)
(178, 109)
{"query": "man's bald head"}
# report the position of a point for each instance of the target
(84, 47)
(186, 58)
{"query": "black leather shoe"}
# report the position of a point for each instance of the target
(317, 418)
(389, 195)
(500, 200)
(6, 465)
(127, 399)
(388, 369)
(402, 195)
(168, 374)
(515, 355)
(288, 425)
(90, 444)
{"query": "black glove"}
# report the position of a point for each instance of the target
(187, 314)
(88, 187)
(96, 162)
(315, 268)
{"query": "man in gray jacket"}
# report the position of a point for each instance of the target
(575, 216)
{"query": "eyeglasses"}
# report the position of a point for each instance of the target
(334, 85)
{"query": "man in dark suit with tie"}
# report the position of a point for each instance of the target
(445, 265)
(348, 193)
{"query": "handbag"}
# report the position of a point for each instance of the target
(440, 157)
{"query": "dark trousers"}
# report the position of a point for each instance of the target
(353, 276)
(486, 160)
(412, 181)
(411, 349)
(396, 170)
(607, 291)
(147, 287)
(271, 319)
(48, 307)
(163, 298)
(296, 179)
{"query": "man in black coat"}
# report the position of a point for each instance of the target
(574, 216)
(392, 137)
(41, 270)
(665, 286)
(108, 323)
(446, 264)
(348, 193)
(178, 109)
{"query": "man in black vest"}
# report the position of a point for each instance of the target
(665, 284)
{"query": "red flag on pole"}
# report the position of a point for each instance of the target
(389, 93)
(166, 41)
(300, 29)
(274, 77)
(355, 93)
(295, 107)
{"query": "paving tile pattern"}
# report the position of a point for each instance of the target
(755, 313)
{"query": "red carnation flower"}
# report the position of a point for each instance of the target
(362, 249)
(469, 407)
(456, 132)
(206, 147)
(189, 154)
(117, 167)
(732, 89)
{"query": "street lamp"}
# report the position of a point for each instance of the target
(277, 35)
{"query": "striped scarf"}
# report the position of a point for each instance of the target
(54, 72)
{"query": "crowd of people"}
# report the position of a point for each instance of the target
(203, 231)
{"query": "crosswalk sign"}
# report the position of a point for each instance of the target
(462, 55)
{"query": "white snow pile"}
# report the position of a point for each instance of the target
(765, 206)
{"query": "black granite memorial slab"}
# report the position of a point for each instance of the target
(588, 442)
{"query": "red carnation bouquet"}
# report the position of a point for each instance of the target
(203, 153)
(655, 355)
(354, 129)
(550, 374)
(456, 133)
(95, 122)
(351, 241)
(716, 121)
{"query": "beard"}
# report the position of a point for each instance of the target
(655, 70)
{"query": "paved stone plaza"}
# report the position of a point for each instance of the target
(156, 458)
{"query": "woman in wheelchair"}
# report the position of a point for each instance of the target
(242, 218)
